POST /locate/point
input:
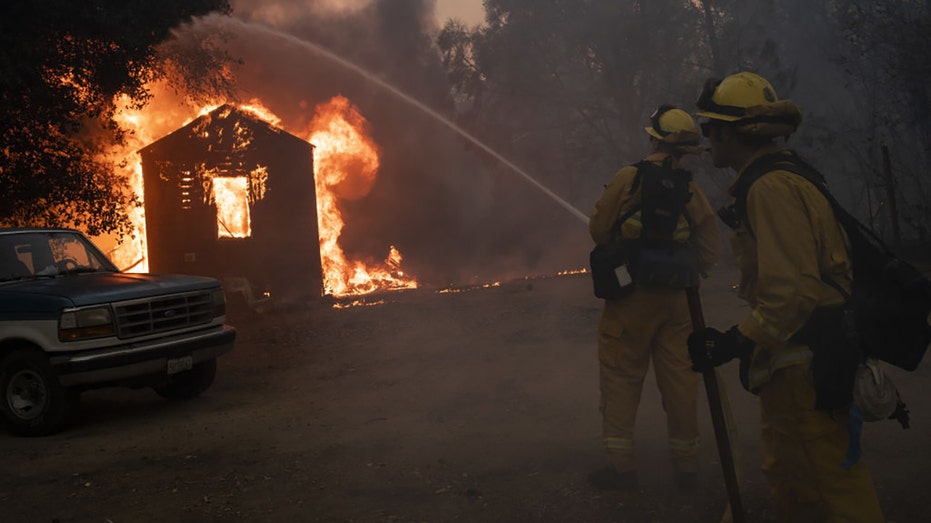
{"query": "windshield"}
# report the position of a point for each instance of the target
(31, 254)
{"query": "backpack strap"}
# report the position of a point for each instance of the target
(794, 164)
(635, 186)
(667, 164)
(615, 229)
(736, 214)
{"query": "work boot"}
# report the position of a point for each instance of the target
(609, 479)
(687, 482)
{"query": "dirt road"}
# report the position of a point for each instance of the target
(477, 406)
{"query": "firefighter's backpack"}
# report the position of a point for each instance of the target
(890, 301)
(656, 259)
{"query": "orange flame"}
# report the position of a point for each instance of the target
(164, 113)
(346, 164)
(231, 196)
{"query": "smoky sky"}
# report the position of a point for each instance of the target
(457, 216)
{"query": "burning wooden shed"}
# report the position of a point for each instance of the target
(233, 197)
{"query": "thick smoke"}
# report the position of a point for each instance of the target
(456, 216)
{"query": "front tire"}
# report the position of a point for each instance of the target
(33, 401)
(190, 383)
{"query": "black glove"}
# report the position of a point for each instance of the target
(711, 347)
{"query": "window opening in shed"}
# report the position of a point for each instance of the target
(231, 195)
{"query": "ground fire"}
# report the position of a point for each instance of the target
(344, 167)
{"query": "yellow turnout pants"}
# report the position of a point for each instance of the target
(645, 325)
(803, 449)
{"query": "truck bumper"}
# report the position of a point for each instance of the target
(115, 364)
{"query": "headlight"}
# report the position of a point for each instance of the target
(85, 323)
(219, 303)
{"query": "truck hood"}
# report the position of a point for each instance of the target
(101, 287)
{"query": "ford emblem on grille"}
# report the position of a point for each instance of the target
(170, 312)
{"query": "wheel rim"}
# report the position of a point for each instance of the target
(26, 394)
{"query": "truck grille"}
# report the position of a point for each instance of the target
(162, 314)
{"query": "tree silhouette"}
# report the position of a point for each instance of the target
(62, 64)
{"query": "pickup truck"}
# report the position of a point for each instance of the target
(71, 321)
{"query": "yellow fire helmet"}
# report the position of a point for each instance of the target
(675, 127)
(728, 99)
(750, 100)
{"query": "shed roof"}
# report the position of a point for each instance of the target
(226, 125)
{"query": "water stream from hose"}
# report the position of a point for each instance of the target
(329, 55)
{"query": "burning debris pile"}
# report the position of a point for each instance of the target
(347, 162)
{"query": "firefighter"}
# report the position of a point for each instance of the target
(791, 252)
(651, 323)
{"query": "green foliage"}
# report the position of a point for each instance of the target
(62, 63)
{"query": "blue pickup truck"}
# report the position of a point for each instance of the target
(71, 321)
